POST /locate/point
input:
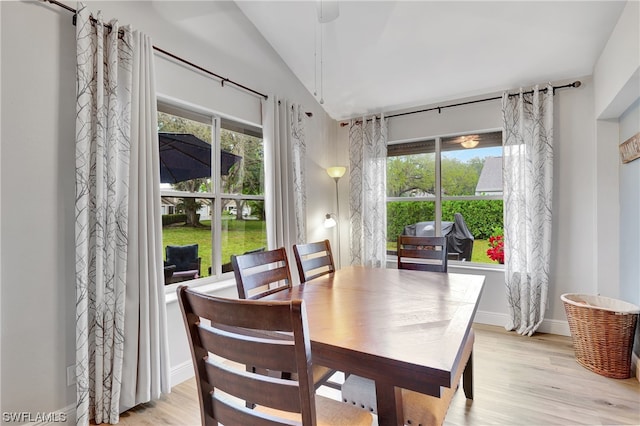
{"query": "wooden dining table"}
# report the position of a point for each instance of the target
(403, 329)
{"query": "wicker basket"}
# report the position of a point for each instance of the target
(602, 330)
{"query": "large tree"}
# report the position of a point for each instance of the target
(414, 175)
(247, 176)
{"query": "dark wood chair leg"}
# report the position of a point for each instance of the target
(467, 378)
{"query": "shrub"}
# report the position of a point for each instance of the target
(481, 216)
(170, 219)
(402, 213)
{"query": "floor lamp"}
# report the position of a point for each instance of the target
(336, 173)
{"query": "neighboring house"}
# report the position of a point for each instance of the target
(490, 181)
(168, 205)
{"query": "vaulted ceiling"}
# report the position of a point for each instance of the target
(390, 55)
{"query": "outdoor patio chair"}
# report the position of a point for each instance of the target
(186, 261)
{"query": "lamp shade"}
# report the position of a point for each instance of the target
(336, 172)
(329, 221)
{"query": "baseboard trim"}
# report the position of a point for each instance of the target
(548, 325)
(182, 372)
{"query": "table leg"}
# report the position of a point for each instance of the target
(389, 400)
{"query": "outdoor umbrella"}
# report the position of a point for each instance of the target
(184, 156)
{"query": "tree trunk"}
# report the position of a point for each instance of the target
(191, 208)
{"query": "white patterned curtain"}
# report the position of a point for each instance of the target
(528, 179)
(298, 158)
(367, 191)
(110, 144)
(285, 187)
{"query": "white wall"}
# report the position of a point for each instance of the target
(617, 71)
(630, 212)
(37, 216)
(617, 91)
(574, 260)
(37, 166)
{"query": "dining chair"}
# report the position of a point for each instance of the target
(261, 273)
(313, 260)
(418, 408)
(219, 355)
(422, 253)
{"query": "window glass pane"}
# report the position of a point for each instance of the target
(471, 165)
(185, 153)
(243, 228)
(242, 163)
(186, 222)
(461, 167)
(411, 175)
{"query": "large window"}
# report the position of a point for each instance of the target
(442, 185)
(212, 192)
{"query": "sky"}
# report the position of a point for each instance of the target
(467, 154)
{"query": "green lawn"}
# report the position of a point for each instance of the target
(238, 236)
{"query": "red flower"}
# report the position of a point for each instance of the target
(496, 248)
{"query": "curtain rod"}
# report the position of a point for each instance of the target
(222, 79)
(440, 108)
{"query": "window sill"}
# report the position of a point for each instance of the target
(203, 285)
(477, 266)
(392, 262)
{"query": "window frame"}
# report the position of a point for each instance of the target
(438, 198)
(217, 122)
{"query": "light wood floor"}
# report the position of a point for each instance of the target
(526, 381)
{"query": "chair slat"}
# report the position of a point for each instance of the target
(253, 260)
(310, 248)
(261, 278)
(239, 415)
(265, 351)
(241, 313)
(316, 262)
(279, 394)
(421, 254)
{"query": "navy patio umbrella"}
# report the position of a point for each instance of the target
(184, 156)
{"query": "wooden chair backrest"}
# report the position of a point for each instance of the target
(428, 253)
(262, 273)
(313, 260)
(280, 342)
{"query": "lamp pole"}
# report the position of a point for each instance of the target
(336, 173)
(337, 178)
